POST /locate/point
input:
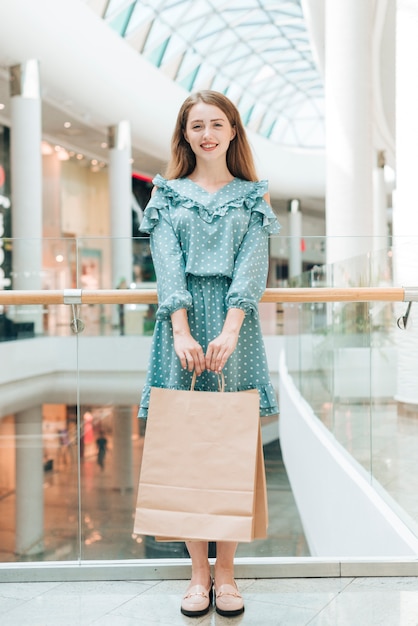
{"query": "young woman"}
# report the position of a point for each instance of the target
(209, 221)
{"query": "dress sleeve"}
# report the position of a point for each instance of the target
(167, 257)
(251, 268)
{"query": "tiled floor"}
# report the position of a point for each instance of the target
(281, 602)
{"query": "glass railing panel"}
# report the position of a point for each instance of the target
(113, 356)
(112, 369)
(394, 409)
(81, 428)
(131, 268)
(333, 344)
(39, 467)
(349, 416)
(49, 264)
(361, 359)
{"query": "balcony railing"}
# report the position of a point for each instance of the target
(68, 453)
(341, 342)
(149, 296)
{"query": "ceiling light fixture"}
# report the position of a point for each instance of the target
(46, 148)
(63, 155)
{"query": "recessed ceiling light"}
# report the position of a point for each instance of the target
(67, 124)
(63, 155)
(46, 148)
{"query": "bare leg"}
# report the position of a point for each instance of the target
(224, 565)
(198, 597)
(198, 551)
(229, 601)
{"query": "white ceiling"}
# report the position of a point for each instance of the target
(83, 136)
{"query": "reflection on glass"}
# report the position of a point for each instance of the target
(344, 359)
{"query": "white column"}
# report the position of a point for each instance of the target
(295, 232)
(26, 179)
(29, 482)
(348, 114)
(120, 192)
(405, 210)
(122, 449)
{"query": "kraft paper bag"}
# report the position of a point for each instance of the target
(260, 502)
(260, 512)
(202, 474)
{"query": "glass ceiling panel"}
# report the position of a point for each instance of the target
(156, 35)
(115, 6)
(220, 83)
(120, 21)
(140, 15)
(190, 62)
(256, 51)
(192, 10)
(174, 13)
(175, 47)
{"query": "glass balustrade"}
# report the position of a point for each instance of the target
(70, 440)
(354, 363)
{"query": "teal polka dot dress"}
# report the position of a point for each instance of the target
(210, 252)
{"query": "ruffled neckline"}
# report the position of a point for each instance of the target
(235, 194)
(205, 191)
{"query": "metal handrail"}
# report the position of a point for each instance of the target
(149, 296)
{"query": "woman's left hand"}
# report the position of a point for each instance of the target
(220, 349)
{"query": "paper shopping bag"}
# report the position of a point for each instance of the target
(201, 467)
(260, 511)
(260, 502)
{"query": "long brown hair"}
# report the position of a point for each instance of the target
(239, 158)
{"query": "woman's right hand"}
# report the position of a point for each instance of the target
(190, 352)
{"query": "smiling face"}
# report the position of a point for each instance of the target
(208, 131)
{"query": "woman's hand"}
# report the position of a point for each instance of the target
(190, 352)
(220, 349)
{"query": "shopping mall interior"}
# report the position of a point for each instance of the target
(89, 94)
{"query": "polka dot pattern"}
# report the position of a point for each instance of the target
(210, 252)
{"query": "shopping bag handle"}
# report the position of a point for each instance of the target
(221, 381)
